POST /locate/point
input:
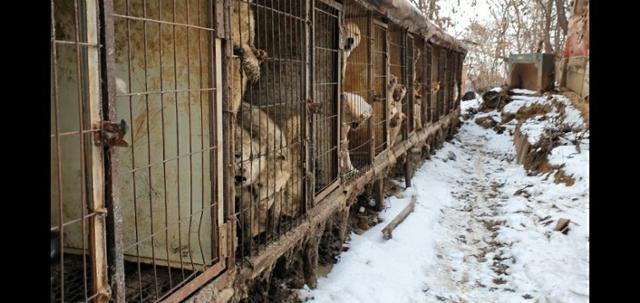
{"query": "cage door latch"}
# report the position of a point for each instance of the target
(112, 134)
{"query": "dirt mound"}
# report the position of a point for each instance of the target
(494, 100)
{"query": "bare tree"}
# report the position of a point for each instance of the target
(546, 32)
(561, 16)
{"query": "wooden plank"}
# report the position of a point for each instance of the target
(96, 223)
(219, 135)
(193, 285)
(388, 230)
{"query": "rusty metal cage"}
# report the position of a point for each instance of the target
(78, 259)
(409, 106)
(166, 72)
(326, 80)
(357, 96)
(450, 81)
(397, 85)
(142, 176)
(438, 81)
(381, 91)
(419, 80)
(273, 55)
(429, 99)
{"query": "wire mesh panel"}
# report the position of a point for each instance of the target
(325, 94)
(382, 83)
(419, 70)
(397, 85)
(409, 107)
(356, 136)
(169, 179)
(271, 131)
(436, 85)
(427, 84)
(78, 262)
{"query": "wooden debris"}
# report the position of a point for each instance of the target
(562, 225)
(386, 232)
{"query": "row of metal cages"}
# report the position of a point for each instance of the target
(187, 135)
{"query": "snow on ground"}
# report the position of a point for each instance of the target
(482, 231)
(523, 101)
(473, 104)
(573, 116)
(523, 91)
(535, 126)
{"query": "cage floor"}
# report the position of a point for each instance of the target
(74, 281)
(147, 285)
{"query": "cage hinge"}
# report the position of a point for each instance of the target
(111, 134)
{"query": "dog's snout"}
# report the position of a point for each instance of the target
(348, 43)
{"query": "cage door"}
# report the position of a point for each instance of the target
(78, 254)
(326, 88)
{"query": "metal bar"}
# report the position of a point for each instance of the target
(114, 233)
(58, 162)
(175, 72)
(83, 176)
(170, 91)
(77, 132)
(386, 72)
(133, 161)
(190, 143)
(150, 192)
(164, 155)
(132, 18)
(312, 78)
(78, 43)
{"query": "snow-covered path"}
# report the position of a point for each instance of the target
(482, 231)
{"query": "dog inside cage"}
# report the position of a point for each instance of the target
(269, 133)
(318, 90)
(356, 74)
(434, 86)
(398, 110)
(417, 78)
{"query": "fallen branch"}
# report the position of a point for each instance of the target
(386, 232)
